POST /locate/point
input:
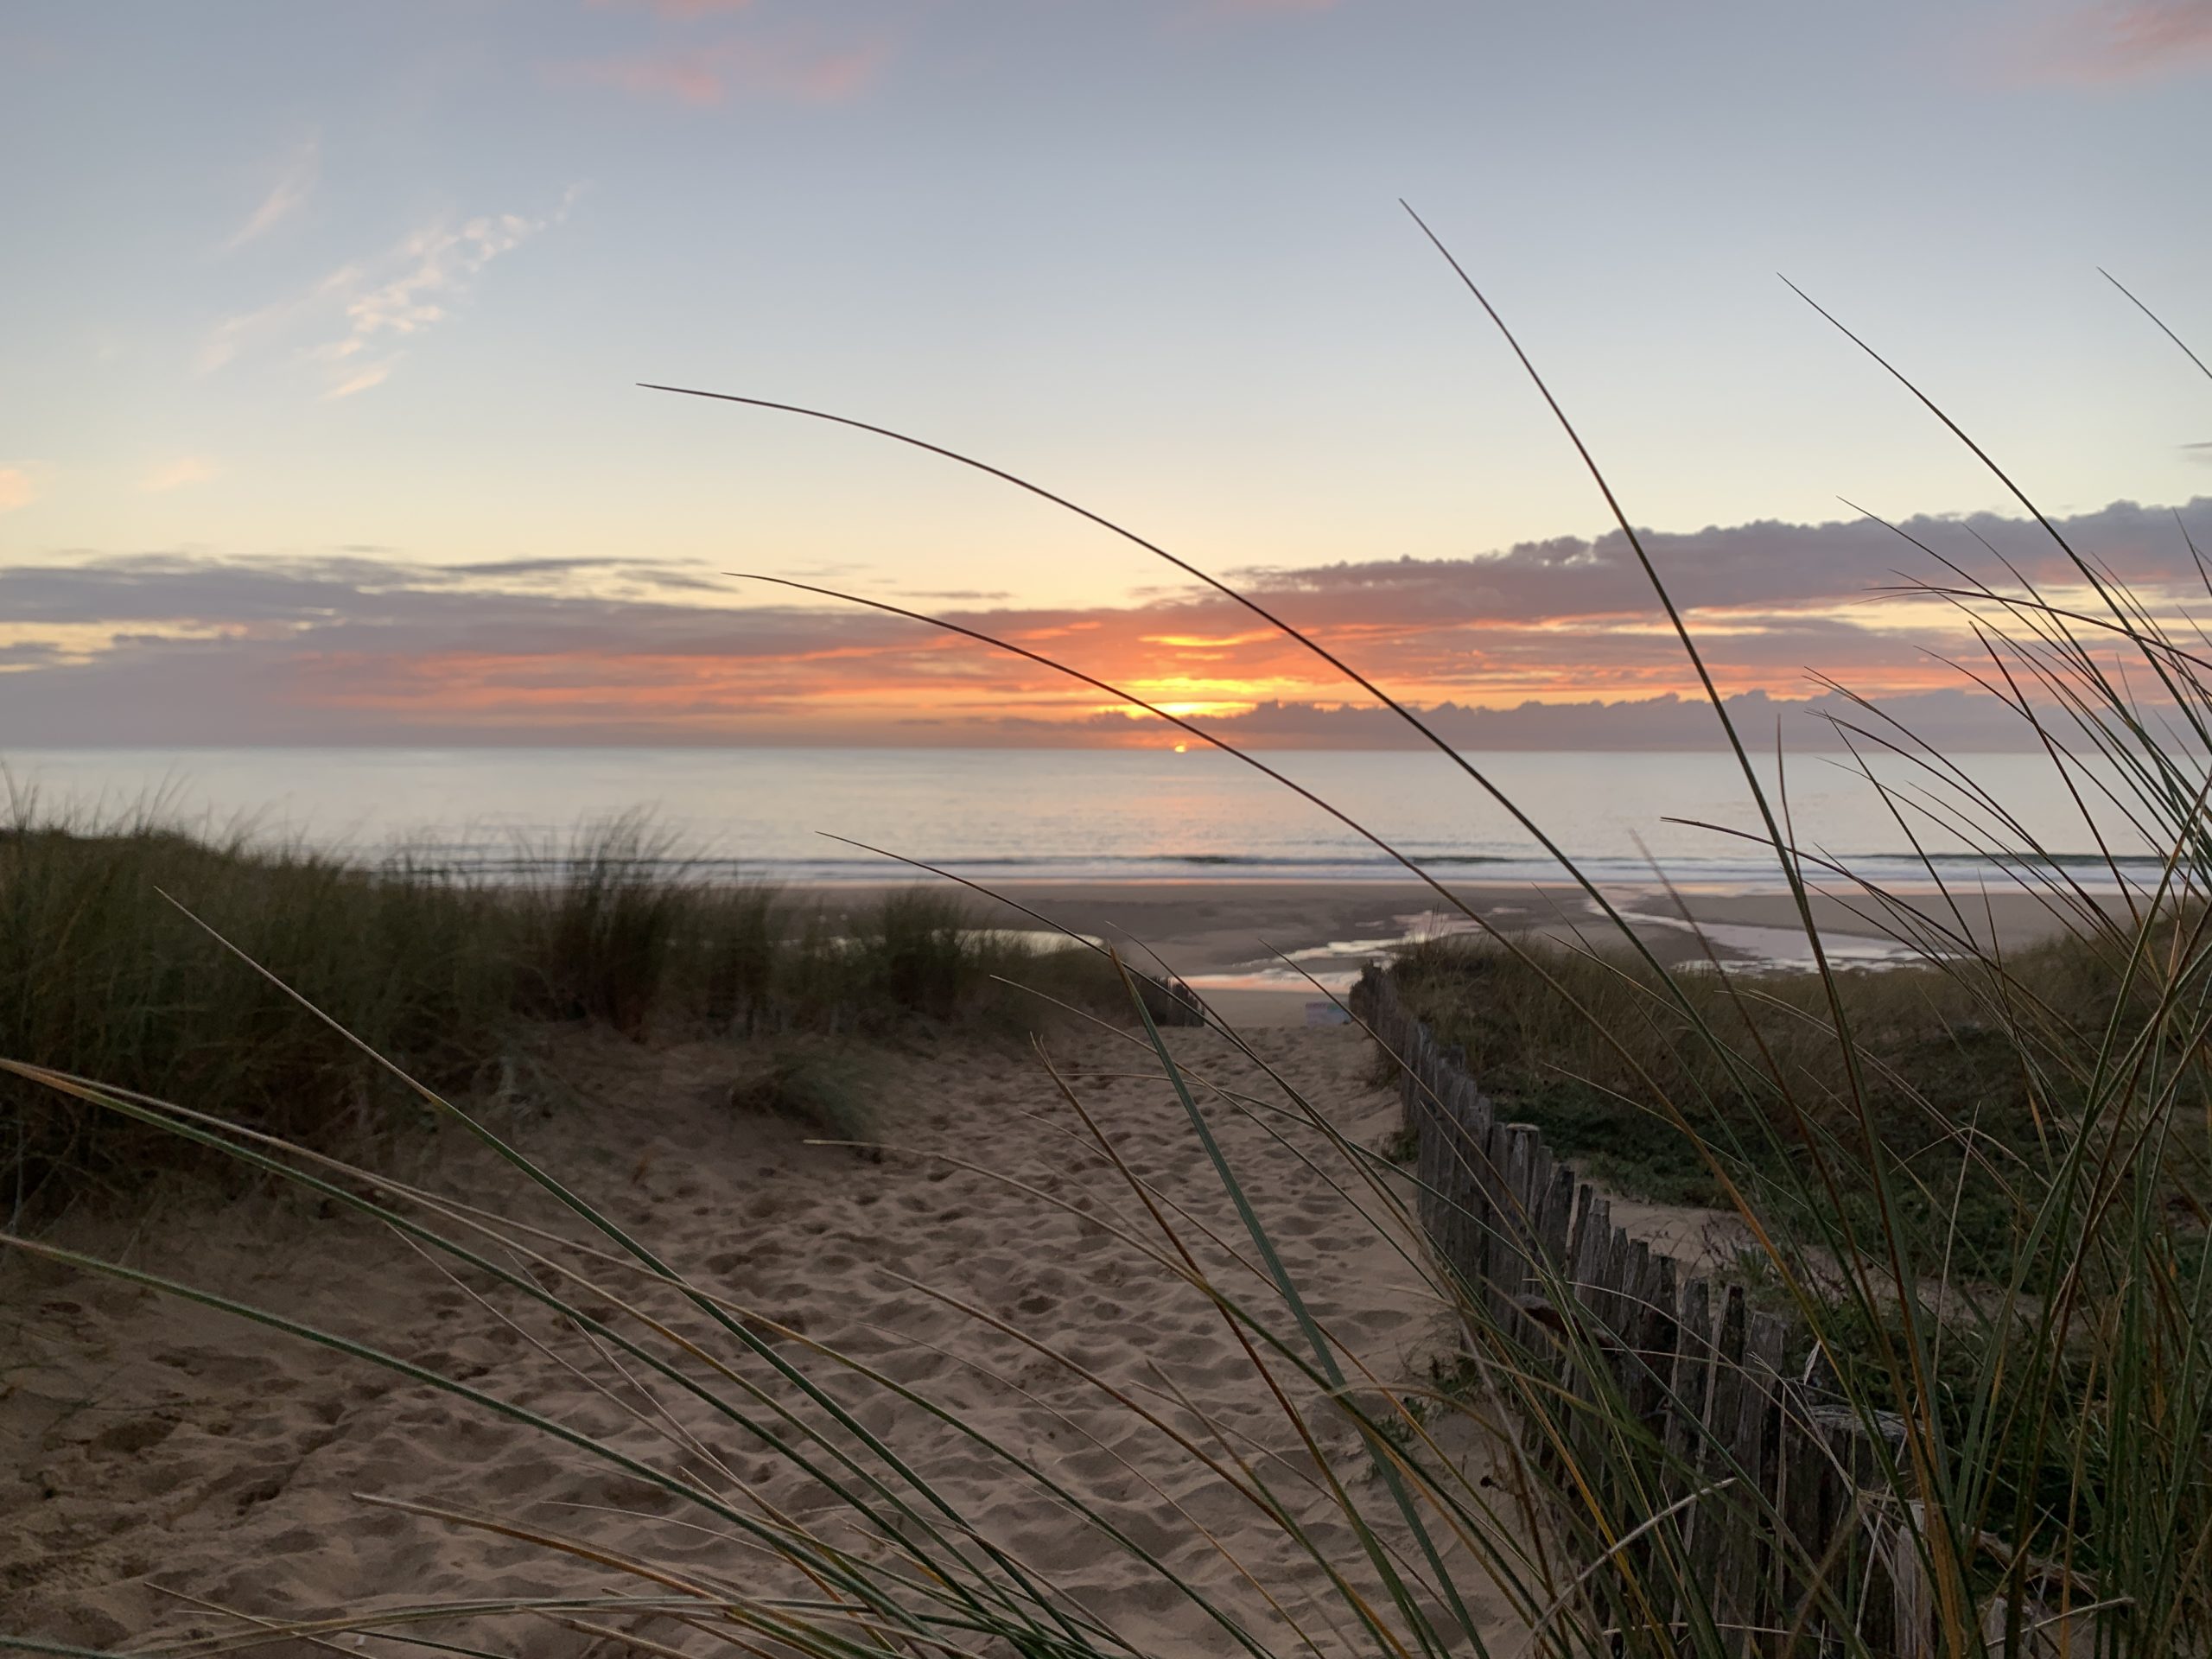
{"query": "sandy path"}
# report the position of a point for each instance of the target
(147, 1442)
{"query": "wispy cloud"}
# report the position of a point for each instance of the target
(2115, 41)
(294, 185)
(714, 72)
(17, 488)
(375, 375)
(366, 312)
(178, 474)
(437, 266)
(237, 332)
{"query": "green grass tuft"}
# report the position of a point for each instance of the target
(103, 974)
(825, 1086)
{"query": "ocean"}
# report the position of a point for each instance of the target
(1064, 814)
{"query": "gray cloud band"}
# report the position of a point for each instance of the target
(175, 648)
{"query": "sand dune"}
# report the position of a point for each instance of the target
(155, 1447)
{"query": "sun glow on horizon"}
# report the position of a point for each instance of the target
(381, 648)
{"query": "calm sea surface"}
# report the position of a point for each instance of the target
(1013, 813)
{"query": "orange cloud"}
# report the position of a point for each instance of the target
(174, 649)
(16, 488)
(1207, 642)
(2119, 40)
(712, 73)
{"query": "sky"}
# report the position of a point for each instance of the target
(324, 326)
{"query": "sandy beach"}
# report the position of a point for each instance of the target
(172, 1471)
(161, 1458)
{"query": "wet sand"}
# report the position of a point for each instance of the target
(1224, 937)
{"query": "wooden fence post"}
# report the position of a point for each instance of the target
(1692, 1364)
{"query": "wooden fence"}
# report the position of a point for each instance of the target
(1168, 999)
(1794, 1553)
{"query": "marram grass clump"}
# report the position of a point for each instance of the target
(262, 981)
(823, 1086)
(1963, 1070)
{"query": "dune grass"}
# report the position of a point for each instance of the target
(2017, 1332)
(119, 959)
(812, 1082)
(1964, 1071)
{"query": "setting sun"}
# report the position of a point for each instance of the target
(1097, 829)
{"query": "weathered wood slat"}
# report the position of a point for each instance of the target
(1764, 1347)
(1469, 1120)
(1695, 1376)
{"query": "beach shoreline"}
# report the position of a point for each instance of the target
(1246, 945)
